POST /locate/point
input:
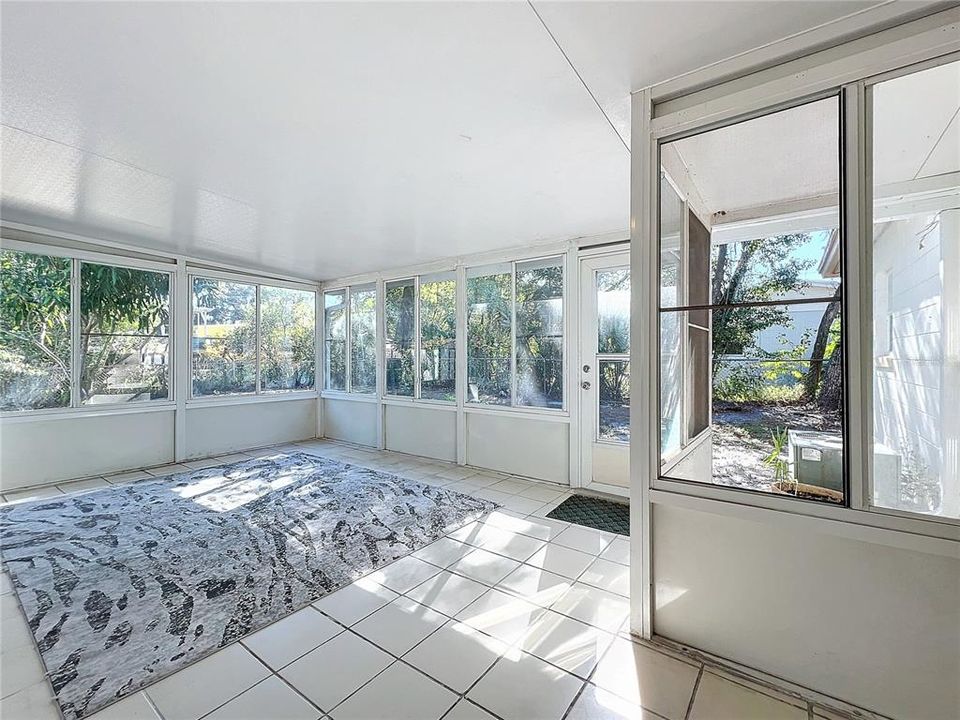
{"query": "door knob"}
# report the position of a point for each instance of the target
(585, 384)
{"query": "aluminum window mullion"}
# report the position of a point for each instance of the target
(256, 335)
(76, 358)
(513, 334)
(348, 336)
(416, 339)
(856, 230)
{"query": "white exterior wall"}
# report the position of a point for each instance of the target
(916, 388)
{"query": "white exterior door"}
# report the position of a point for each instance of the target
(603, 373)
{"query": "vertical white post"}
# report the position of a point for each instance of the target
(380, 325)
(76, 356)
(461, 364)
(513, 333)
(856, 242)
(644, 427)
(572, 359)
(182, 380)
(319, 370)
(950, 379)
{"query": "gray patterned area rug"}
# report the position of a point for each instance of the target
(124, 585)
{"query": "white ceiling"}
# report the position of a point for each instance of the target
(325, 139)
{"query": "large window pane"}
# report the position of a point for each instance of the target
(438, 337)
(916, 292)
(335, 340)
(489, 327)
(287, 338)
(539, 340)
(751, 364)
(224, 337)
(34, 331)
(363, 340)
(614, 397)
(124, 335)
(400, 316)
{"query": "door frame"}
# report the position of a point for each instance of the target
(586, 421)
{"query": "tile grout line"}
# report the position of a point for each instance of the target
(693, 695)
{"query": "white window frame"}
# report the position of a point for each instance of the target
(417, 396)
(415, 281)
(258, 395)
(660, 114)
(76, 257)
(562, 259)
(324, 390)
(377, 340)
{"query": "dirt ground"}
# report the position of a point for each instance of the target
(741, 438)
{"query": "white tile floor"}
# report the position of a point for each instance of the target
(515, 617)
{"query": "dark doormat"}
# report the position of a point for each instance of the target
(595, 513)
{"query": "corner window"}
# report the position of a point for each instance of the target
(751, 358)
(363, 339)
(515, 332)
(916, 292)
(335, 340)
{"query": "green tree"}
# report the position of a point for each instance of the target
(34, 331)
(752, 271)
(438, 335)
(121, 311)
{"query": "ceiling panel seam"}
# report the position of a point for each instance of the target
(583, 82)
(936, 143)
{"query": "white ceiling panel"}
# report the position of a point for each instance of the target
(326, 139)
(316, 139)
(620, 47)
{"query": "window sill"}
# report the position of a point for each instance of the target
(520, 412)
(907, 533)
(21, 416)
(220, 400)
(400, 401)
(353, 397)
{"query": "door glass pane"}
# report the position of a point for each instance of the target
(400, 317)
(489, 323)
(34, 331)
(916, 292)
(752, 396)
(287, 332)
(540, 333)
(613, 311)
(614, 396)
(438, 337)
(363, 340)
(224, 337)
(335, 340)
(125, 335)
